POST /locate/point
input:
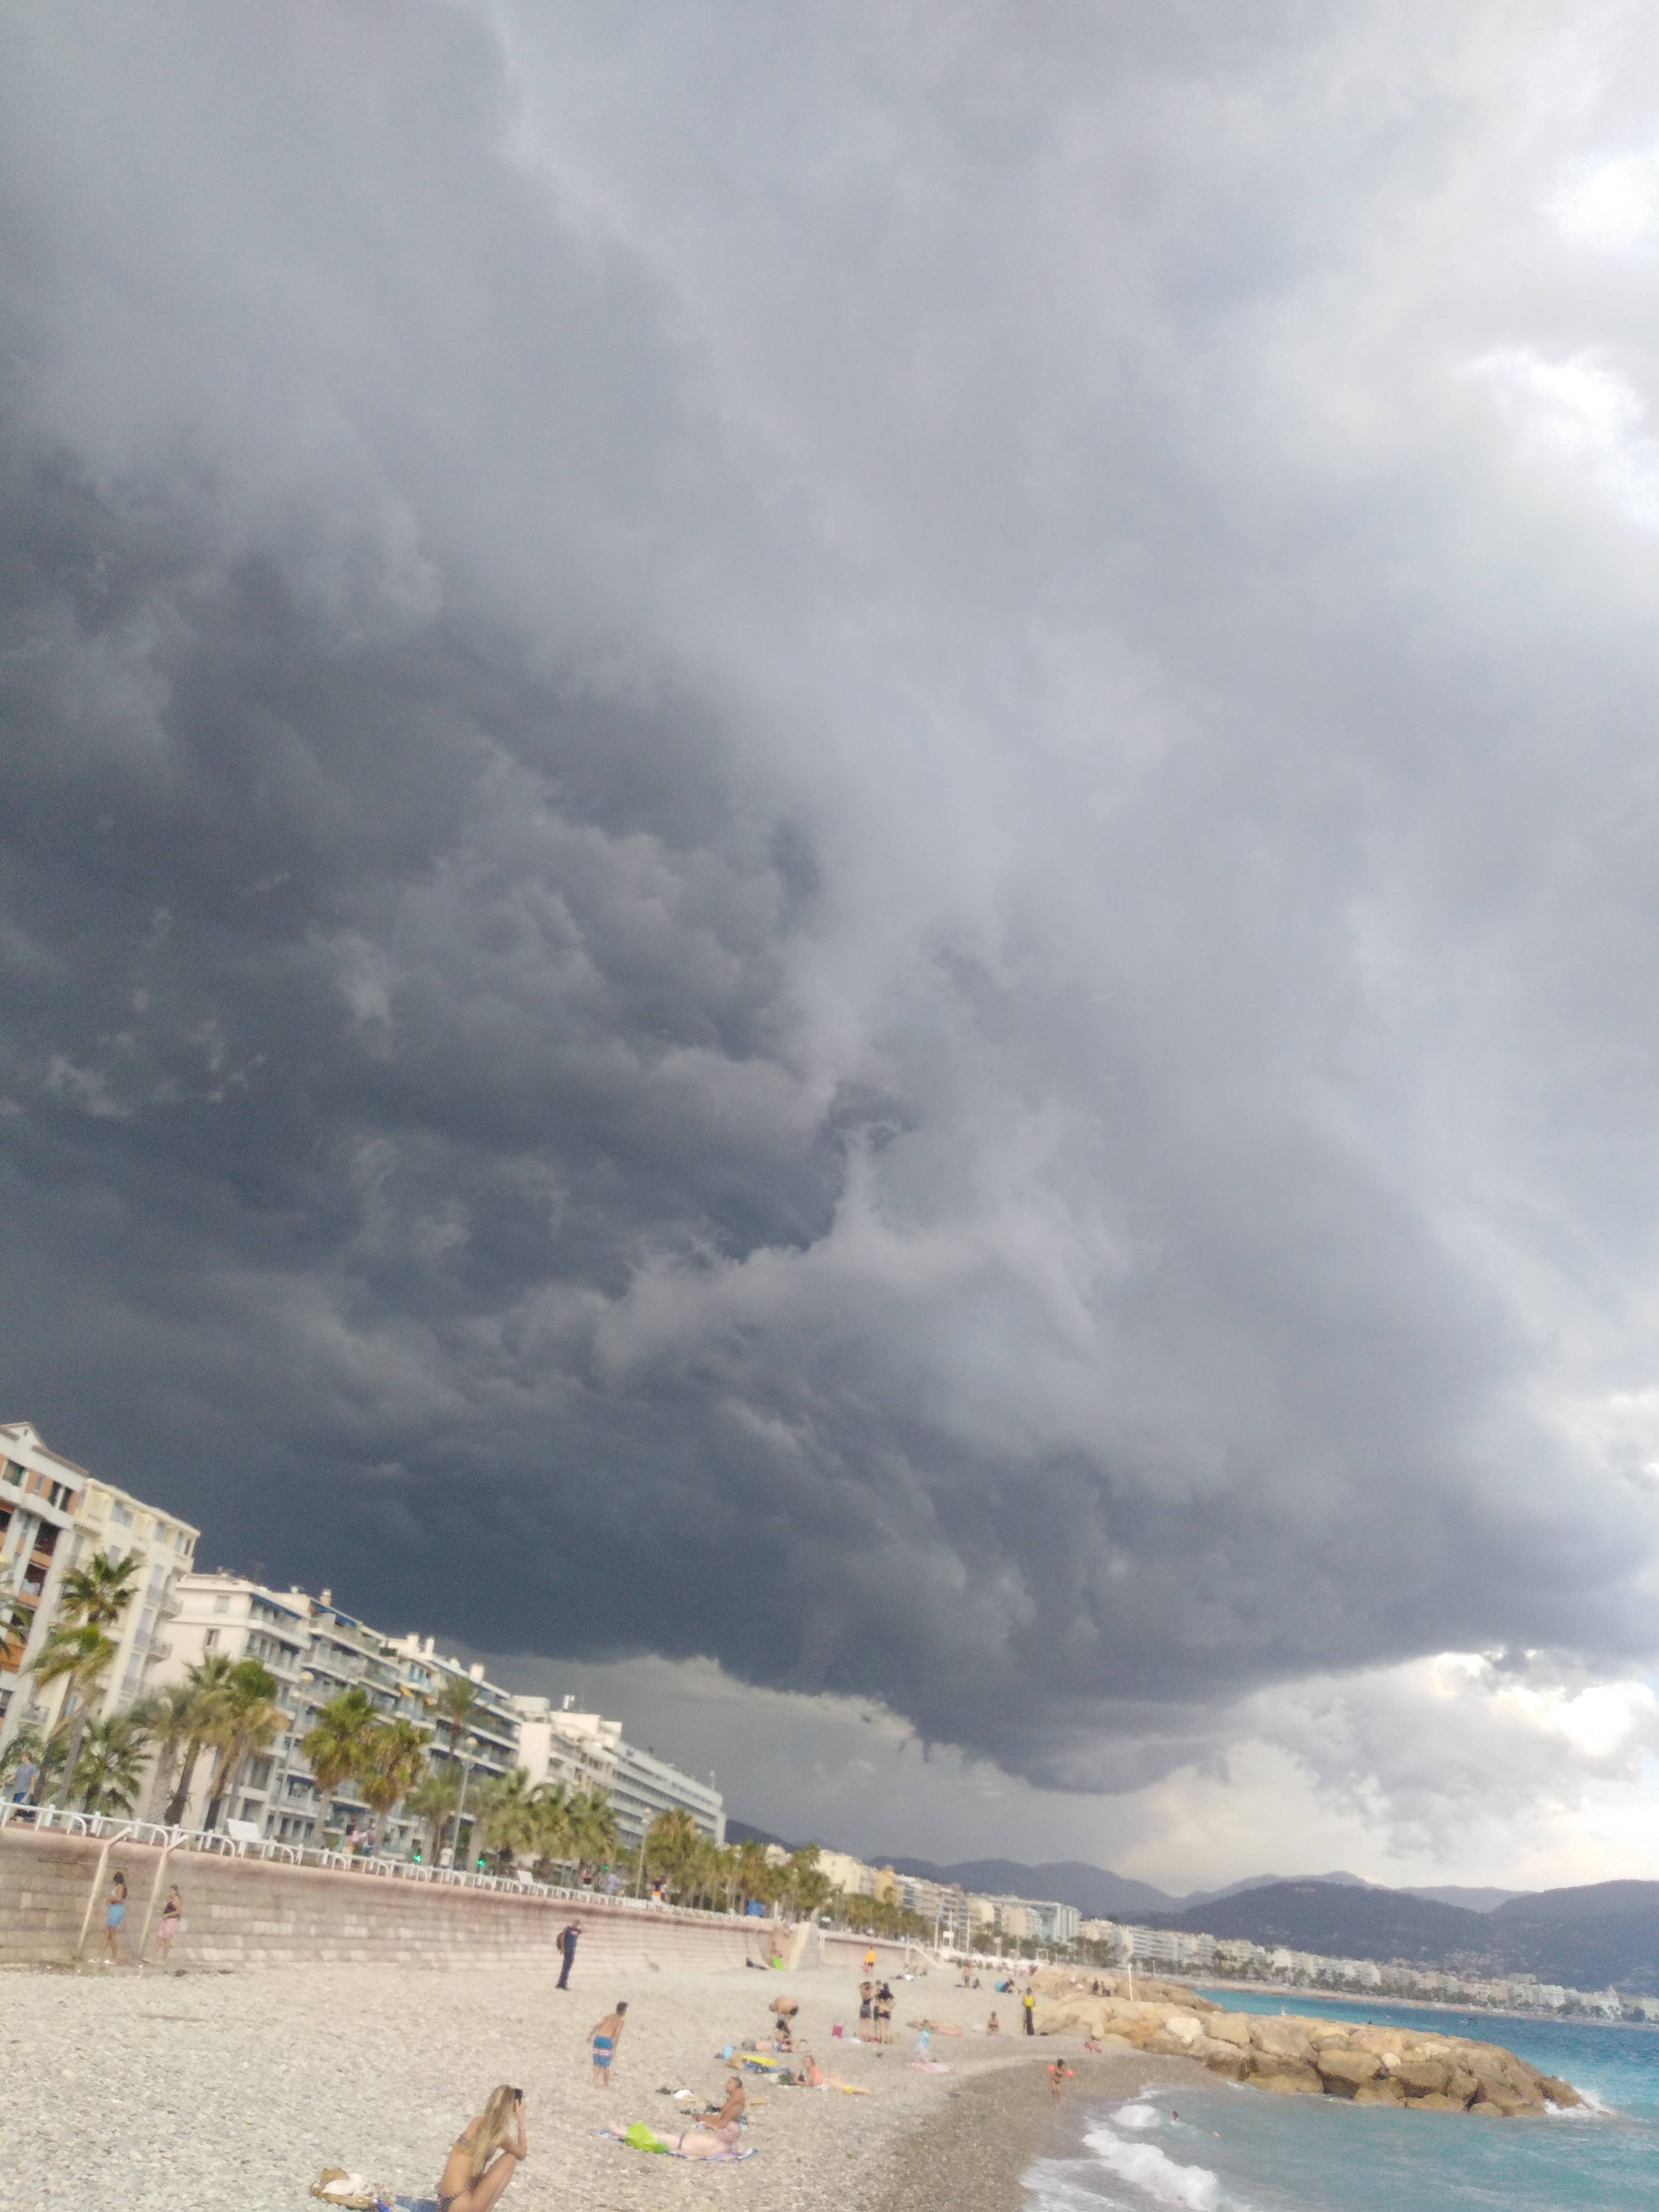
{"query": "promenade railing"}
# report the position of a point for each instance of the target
(110, 1827)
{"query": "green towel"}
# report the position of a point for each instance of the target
(643, 2139)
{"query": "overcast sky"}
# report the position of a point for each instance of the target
(829, 882)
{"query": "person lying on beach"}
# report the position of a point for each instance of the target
(994, 2025)
(604, 2039)
(701, 2141)
(469, 2181)
(730, 2114)
(812, 2077)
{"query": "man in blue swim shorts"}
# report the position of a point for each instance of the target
(603, 2041)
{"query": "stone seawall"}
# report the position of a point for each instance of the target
(258, 1912)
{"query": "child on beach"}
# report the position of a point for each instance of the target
(114, 1915)
(604, 2039)
(469, 2183)
(172, 1921)
(1057, 2074)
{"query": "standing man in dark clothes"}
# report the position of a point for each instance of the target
(568, 1945)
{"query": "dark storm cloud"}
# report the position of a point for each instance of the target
(818, 852)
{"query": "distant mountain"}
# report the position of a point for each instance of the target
(1607, 1933)
(1476, 1900)
(1340, 1918)
(1196, 1897)
(739, 1831)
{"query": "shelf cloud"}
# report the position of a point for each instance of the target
(828, 845)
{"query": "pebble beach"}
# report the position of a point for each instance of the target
(131, 2091)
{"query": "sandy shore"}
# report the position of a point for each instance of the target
(132, 2094)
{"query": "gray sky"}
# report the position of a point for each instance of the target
(828, 882)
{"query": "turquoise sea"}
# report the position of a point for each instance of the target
(1224, 2149)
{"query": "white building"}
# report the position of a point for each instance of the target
(850, 1876)
(315, 1650)
(54, 1516)
(562, 1743)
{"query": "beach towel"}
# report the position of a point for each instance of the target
(640, 2137)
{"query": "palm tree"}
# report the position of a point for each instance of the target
(16, 1623)
(753, 1874)
(169, 1714)
(100, 1592)
(395, 1763)
(807, 1887)
(79, 1657)
(111, 1769)
(455, 1704)
(557, 1824)
(206, 1684)
(337, 1749)
(510, 1813)
(247, 1719)
(431, 1802)
(672, 1843)
(591, 1822)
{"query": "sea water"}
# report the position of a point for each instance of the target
(1218, 2147)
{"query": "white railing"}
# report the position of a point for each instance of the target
(111, 1828)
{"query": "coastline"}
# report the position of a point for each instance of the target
(1416, 2004)
(970, 2156)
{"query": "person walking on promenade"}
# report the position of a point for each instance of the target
(172, 1920)
(568, 1940)
(469, 2183)
(114, 1914)
(604, 2039)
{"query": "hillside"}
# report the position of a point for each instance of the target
(1605, 1934)
(1342, 1921)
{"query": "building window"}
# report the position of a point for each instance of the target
(221, 1603)
(209, 1637)
(119, 1514)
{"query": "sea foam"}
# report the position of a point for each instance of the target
(1192, 2188)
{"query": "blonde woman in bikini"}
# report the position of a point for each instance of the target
(469, 2183)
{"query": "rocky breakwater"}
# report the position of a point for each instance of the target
(1295, 2055)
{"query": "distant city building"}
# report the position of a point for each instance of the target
(54, 1516)
(849, 1875)
(565, 1745)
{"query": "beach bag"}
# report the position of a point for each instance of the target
(334, 2185)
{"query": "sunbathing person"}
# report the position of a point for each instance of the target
(470, 2182)
(701, 2141)
(731, 2112)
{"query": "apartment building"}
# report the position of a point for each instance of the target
(315, 1649)
(641, 1785)
(850, 1876)
(54, 1517)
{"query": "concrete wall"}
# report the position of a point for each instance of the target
(256, 1913)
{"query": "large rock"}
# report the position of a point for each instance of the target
(1385, 2090)
(1292, 2056)
(1423, 2077)
(1343, 2072)
(1558, 2092)
(1284, 2076)
(1221, 2057)
(1282, 2038)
